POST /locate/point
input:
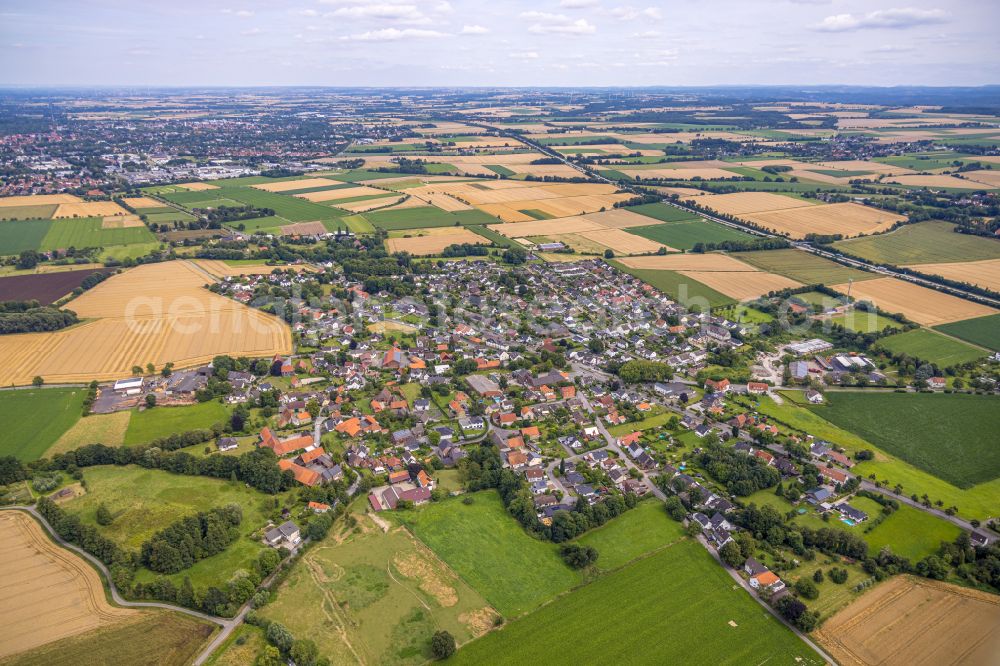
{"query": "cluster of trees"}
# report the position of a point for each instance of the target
(465, 250)
(30, 317)
(567, 525)
(742, 475)
(405, 165)
(578, 556)
(743, 245)
(637, 370)
(217, 216)
(191, 539)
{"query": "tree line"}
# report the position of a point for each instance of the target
(191, 539)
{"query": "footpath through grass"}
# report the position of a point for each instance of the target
(515, 572)
(677, 606)
(35, 418)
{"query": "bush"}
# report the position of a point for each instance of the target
(838, 576)
(806, 589)
(578, 556)
(104, 516)
(442, 645)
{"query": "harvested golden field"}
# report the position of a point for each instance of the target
(569, 206)
(922, 305)
(541, 170)
(680, 174)
(742, 286)
(142, 202)
(370, 204)
(433, 243)
(865, 165)
(990, 177)
(430, 194)
(89, 209)
(607, 148)
(619, 218)
(847, 219)
(122, 222)
(985, 273)
(198, 187)
(909, 621)
(107, 429)
(303, 229)
(741, 203)
(342, 193)
(683, 192)
(391, 326)
(938, 181)
(219, 268)
(38, 200)
(546, 227)
(46, 592)
(155, 313)
(623, 242)
(299, 184)
(710, 261)
(411, 202)
(580, 243)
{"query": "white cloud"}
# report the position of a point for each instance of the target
(577, 4)
(244, 13)
(308, 12)
(474, 30)
(383, 11)
(251, 32)
(628, 13)
(558, 24)
(647, 34)
(906, 17)
(525, 55)
(394, 34)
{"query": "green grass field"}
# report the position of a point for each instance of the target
(387, 593)
(633, 534)
(864, 322)
(931, 347)
(35, 418)
(685, 235)
(16, 237)
(677, 606)
(411, 218)
(679, 287)
(144, 501)
(488, 549)
(158, 638)
(922, 243)
(982, 331)
(87, 232)
(952, 436)
(663, 212)
(36, 212)
(171, 215)
(911, 533)
(150, 424)
(803, 267)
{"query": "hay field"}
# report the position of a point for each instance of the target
(38, 200)
(370, 204)
(89, 209)
(303, 229)
(984, 273)
(546, 227)
(142, 202)
(741, 203)
(155, 313)
(938, 181)
(299, 184)
(623, 242)
(339, 194)
(847, 219)
(122, 222)
(197, 187)
(433, 243)
(865, 165)
(711, 261)
(720, 272)
(506, 199)
(910, 620)
(107, 429)
(430, 194)
(46, 592)
(220, 268)
(922, 305)
(620, 218)
(680, 174)
(990, 177)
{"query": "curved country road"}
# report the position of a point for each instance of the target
(227, 625)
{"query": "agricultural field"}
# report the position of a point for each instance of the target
(29, 212)
(35, 418)
(803, 267)
(483, 544)
(719, 272)
(107, 429)
(931, 347)
(920, 304)
(982, 331)
(372, 596)
(846, 219)
(984, 273)
(696, 615)
(922, 243)
(642, 530)
(864, 322)
(912, 533)
(950, 436)
(680, 288)
(685, 234)
(411, 218)
(744, 203)
(91, 232)
(890, 624)
(432, 241)
(63, 595)
(149, 424)
(16, 237)
(137, 321)
(46, 288)
(663, 212)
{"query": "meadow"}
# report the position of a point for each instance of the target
(675, 606)
(411, 218)
(150, 424)
(983, 331)
(803, 267)
(515, 572)
(679, 287)
(909, 532)
(931, 347)
(16, 237)
(864, 322)
(35, 418)
(88, 232)
(951, 436)
(686, 234)
(28, 212)
(930, 242)
(664, 212)
(642, 530)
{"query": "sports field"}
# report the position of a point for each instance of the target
(804, 267)
(633, 534)
(931, 347)
(951, 436)
(150, 424)
(922, 243)
(34, 419)
(982, 331)
(675, 606)
(484, 545)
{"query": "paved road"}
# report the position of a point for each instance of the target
(753, 595)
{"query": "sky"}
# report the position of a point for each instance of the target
(499, 43)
